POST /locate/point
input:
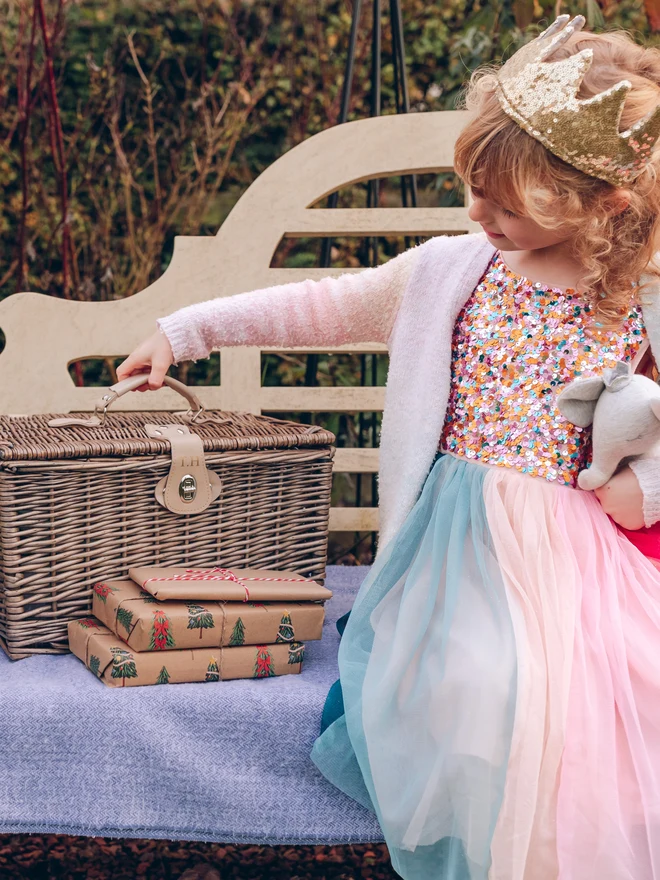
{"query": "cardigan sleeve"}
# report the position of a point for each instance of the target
(354, 307)
(647, 471)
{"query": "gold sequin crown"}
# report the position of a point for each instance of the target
(542, 98)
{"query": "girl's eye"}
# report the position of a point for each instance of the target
(508, 213)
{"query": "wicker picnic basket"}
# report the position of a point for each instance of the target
(83, 498)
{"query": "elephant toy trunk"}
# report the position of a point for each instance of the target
(592, 478)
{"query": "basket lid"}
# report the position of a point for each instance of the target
(26, 438)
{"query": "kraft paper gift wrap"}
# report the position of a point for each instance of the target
(231, 585)
(111, 659)
(149, 624)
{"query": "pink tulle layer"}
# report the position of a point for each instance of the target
(582, 795)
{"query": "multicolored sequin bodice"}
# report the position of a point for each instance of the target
(516, 344)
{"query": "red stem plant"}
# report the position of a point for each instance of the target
(24, 85)
(57, 143)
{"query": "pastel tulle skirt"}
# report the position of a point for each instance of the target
(500, 673)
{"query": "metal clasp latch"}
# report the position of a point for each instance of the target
(188, 488)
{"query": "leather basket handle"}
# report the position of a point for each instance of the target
(118, 390)
(114, 392)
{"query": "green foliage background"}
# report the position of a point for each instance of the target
(279, 63)
(171, 108)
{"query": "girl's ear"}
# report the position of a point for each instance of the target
(577, 402)
(618, 201)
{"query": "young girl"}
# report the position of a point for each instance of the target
(500, 668)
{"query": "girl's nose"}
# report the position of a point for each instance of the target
(478, 211)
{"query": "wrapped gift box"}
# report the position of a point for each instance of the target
(117, 665)
(223, 584)
(149, 624)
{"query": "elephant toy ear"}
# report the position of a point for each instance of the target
(577, 402)
(618, 377)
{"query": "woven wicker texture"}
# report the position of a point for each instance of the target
(28, 438)
(68, 524)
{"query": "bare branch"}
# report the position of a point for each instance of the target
(25, 110)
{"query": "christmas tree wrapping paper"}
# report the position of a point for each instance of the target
(149, 624)
(224, 584)
(117, 665)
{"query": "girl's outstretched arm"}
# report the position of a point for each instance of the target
(357, 307)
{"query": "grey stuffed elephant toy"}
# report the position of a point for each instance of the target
(625, 410)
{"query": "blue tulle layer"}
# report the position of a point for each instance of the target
(420, 729)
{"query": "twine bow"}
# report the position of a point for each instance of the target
(221, 574)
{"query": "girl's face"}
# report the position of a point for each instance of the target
(512, 232)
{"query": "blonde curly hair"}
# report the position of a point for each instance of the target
(495, 155)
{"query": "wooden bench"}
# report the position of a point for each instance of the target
(230, 765)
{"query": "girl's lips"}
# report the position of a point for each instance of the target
(493, 234)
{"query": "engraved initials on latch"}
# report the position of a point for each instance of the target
(187, 488)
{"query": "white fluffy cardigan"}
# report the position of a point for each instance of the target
(410, 303)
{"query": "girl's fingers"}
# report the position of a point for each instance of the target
(128, 367)
(153, 356)
(158, 371)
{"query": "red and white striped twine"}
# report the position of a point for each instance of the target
(223, 574)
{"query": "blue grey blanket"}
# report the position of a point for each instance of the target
(227, 762)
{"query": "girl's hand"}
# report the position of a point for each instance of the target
(622, 499)
(154, 354)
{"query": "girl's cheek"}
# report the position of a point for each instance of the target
(515, 233)
(529, 238)
(513, 228)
